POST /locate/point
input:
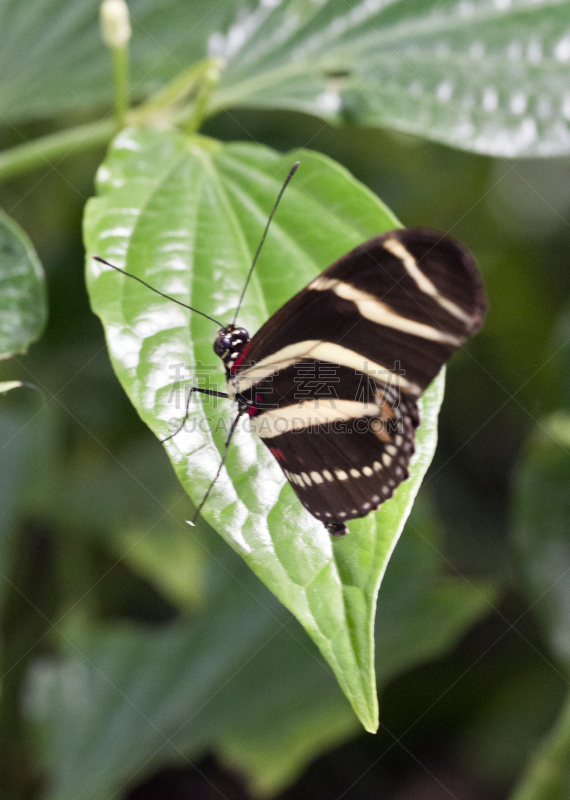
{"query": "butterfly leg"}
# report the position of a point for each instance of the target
(210, 392)
(222, 462)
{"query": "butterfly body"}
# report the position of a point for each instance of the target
(331, 381)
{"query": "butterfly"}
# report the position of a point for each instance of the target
(331, 381)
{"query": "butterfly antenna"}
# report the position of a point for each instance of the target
(222, 462)
(292, 171)
(168, 297)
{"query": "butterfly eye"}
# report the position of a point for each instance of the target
(221, 345)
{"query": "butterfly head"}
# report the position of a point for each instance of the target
(230, 343)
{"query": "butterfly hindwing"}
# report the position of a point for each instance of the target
(343, 457)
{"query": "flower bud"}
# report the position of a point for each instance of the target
(115, 25)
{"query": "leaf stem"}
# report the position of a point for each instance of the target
(210, 80)
(55, 146)
(116, 32)
(121, 80)
(177, 89)
(547, 775)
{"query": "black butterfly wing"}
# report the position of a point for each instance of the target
(389, 313)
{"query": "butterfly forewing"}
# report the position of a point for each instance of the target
(332, 378)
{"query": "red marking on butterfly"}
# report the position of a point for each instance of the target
(277, 453)
(240, 358)
(253, 410)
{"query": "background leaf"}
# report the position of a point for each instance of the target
(220, 678)
(478, 75)
(540, 527)
(542, 505)
(483, 76)
(188, 214)
(23, 309)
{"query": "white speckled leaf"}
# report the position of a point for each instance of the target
(485, 75)
(187, 215)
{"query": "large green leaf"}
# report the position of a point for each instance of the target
(23, 309)
(485, 76)
(121, 701)
(188, 214)
(480, 75)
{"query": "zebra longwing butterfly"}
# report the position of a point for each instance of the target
(331, 381)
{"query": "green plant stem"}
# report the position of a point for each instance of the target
(121, 80)
(55, 146)
(210, 80)
(547, 775)
(51, 148)
(176, 90)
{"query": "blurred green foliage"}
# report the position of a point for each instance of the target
(128, 644)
